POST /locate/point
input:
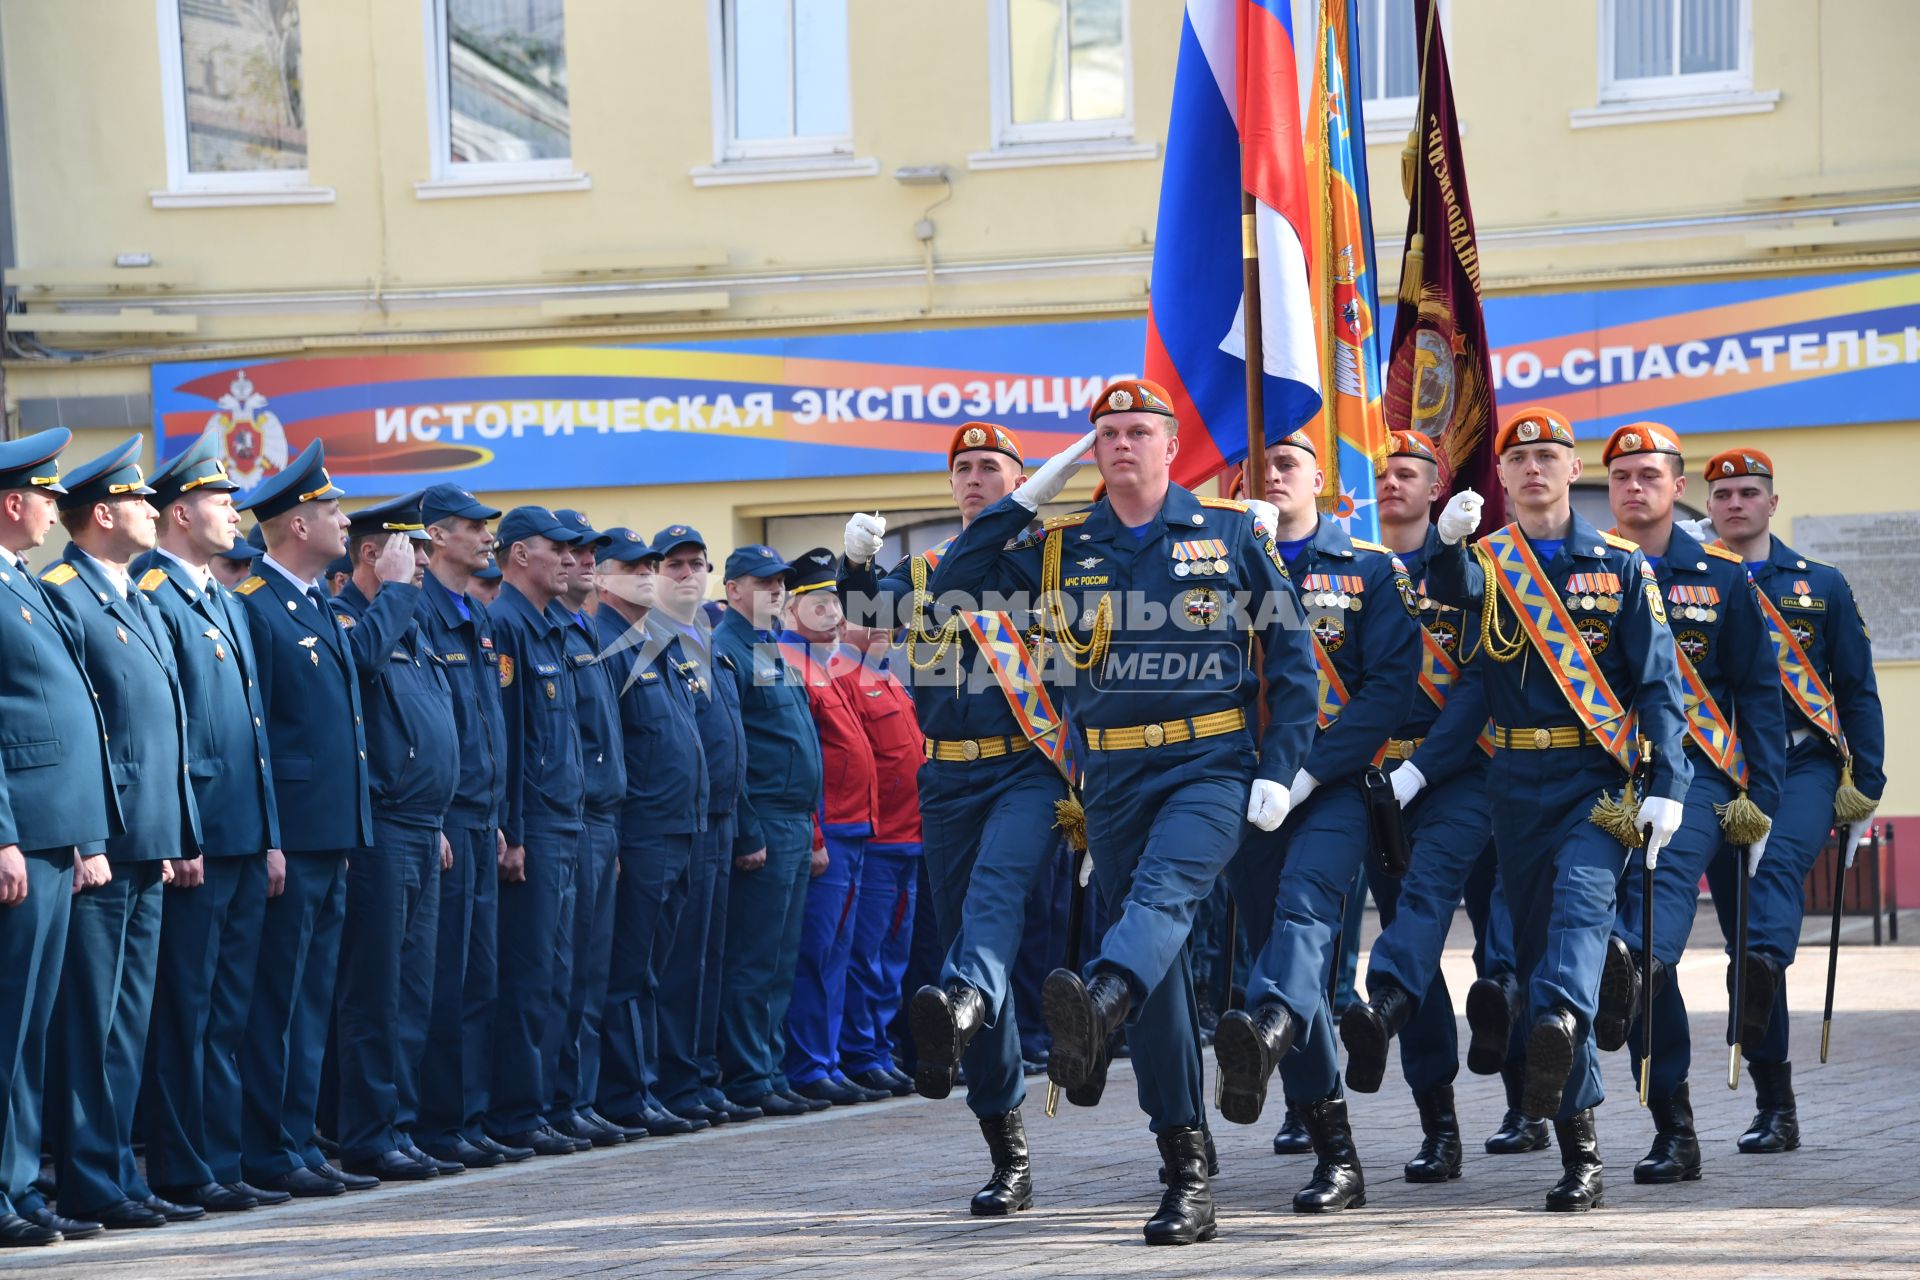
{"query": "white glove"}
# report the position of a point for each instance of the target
(864, 533)
(1044, 485)
(1700, 530)
(1267, 805)
(1854, 832)
(1755, 852)
(1460, 518)
(1407, 782)
(1266, 513)
(1661, 818)
(1303, 786)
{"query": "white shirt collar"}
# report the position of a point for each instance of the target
(201, 575)
(304, 585)
(122, 583)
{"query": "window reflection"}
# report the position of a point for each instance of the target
(1067, 60)
(507, 81)
(240, 63)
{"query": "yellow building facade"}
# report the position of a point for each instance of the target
(333, 212)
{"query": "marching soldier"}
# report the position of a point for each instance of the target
(542, 823)
(1736, 739)
(1168, 593)
(57, 809)
(1294, 880)
(393, 886)
(212, 917)
(311, 691)
(1578, 663)
(1835, 766)
(988, 804)
(99, 1035)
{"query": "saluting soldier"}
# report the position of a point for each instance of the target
(1579, 671)
(988, 803)
(1170, 593)
(1737, 741)
(1293, 882)
(99, 1035)
(393, 887)
(57, 808)
(1437, 762)
(315, 728)
(214, 910)
(1835, 766)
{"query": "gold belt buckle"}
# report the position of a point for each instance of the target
(1155, 734)
(1542, 739)
(970, 749)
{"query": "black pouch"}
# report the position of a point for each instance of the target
(1386, 828)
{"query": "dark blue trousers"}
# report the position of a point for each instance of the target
(882, 938)
(1043, 948)
(456, 1066)
(209, 953)
(99, 1037)
(764, 915)
(536, 979)
(386, 985)
(33, 951)
(987, 833)
(579, 1078)
(717, 846)
(681, 1009)
(647, 903)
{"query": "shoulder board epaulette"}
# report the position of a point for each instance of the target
(1624, 544)
(1721, 552)
(1066, 521)
(1224, 504)
(59, 573)
(250, 586)
(152, 578)
(1361, 544)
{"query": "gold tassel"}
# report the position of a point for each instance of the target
(1619, 818)
(1409, 163)
(1413, 270)
(1742, 821)
(1850, 804)
(1070, 819)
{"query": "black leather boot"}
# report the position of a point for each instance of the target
(1248, 1047)
(1337, 1180)
(1549, 1062)
(1675, 1155)
(1493, 1006)
(1292, 1139)
(1439, 1156)
(1619, 996)
(1776, 1125)
(1011, 1187)
(1081, 1017)
(1761, 986)
(943, 1022)
(1517, 1133)
(1186, 1208)
(1213, 1160)
(1368, 1027)
(1579, 1187)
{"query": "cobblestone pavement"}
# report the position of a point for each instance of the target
(882, 1190)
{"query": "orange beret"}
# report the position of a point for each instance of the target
(1298, 439)
(1534, 426)
(1739, 462)
(1413, 444)
(1131, 395)
(983, 435)
(1637, 438)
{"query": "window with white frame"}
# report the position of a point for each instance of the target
(235, 114)
(1389, 59)
(498, 74)
(784, 80)
(1674, 48)
(1062, 72)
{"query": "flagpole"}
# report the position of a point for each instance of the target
(1255, 471)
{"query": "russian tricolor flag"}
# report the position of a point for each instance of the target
(1235, 80)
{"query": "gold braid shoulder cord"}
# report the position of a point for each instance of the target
(917, 633)
(1084, 657)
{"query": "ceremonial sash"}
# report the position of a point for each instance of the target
(1333, 690)
(1708, 726)
(1804, 687)
(1437, 674)
(1515, 572)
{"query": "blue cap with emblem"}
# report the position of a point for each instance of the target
(241, 552)
(449, 501)
(522, 523)
(624, 546)
(589, 535)
(197, 468)
(33, 462)
(756, 561)
(304, 479)
(110, 477)
(675, 536)
(397, 515)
